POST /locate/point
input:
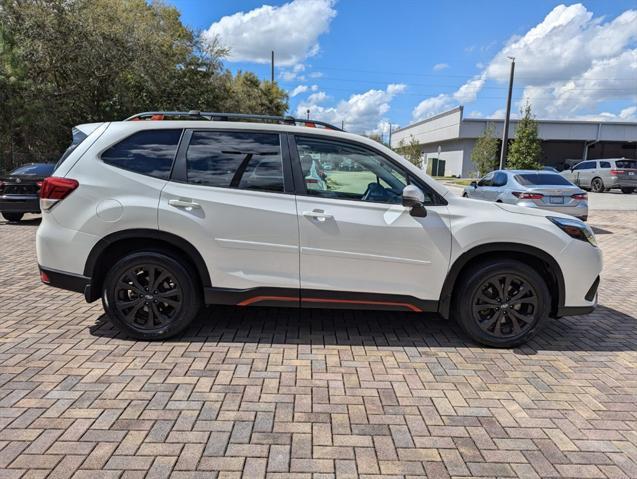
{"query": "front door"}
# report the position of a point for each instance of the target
(233, 200)
(359, 245)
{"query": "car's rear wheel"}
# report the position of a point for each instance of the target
(501, 303)
(464, 195)
(150, 295)
(14, 217)
(627, 190)
(597, 185)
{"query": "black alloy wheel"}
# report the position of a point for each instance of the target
(505, 305)
(501, 302)
(151, 296)
(597, 185)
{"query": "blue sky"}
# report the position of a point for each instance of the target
(370, 62)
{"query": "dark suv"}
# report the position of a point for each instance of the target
(19, 191)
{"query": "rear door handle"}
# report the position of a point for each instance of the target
(318, 215)
(184, 204)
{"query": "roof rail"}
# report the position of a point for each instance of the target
(216, 116)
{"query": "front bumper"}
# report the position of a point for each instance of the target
(19, 203)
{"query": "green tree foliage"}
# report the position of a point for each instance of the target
(65, 62)
(485, 152)
(526, 150)
(411, 151)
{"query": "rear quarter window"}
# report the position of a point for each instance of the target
(630, 164)
(149, 152)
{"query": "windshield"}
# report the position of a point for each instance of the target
(37, 169)
(535, 179)
(626, 164)
(78, 138)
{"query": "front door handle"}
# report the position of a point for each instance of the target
(318, 215)
(184, 204)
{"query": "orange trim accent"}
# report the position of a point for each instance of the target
(257, 299)
(355, 301)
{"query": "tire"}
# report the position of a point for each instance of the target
(171, 305)
(13, 217)
(597, 185)
(485, 326)
(464, 195)
(627, 190)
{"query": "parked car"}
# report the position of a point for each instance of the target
(531, 188)
(20, 190)
(550, 168)
(158, 217)
(604, 175)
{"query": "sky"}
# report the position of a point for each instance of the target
(371, 63)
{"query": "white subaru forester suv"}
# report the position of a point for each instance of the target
(166, 211)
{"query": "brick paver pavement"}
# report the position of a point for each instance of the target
(314, 393)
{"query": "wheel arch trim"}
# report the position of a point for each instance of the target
(444, 304)
(173, 240)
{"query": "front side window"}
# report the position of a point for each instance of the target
(149, 152)
(243, 160)
(487, 180)
(587, 165)
(345, 171)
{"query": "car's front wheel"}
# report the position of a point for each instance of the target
(150, 295)
(501, 303)
(13, 217)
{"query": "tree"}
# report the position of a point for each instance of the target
(65, 62)
(411, 151)
(526, 150)
(485, 152)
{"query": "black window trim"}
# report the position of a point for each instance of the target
(172, 165)
(299, 180)
(180, 169)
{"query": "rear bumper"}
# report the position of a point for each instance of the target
(64, 280)
(19, 203)
(579, 211)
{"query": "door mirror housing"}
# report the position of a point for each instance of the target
(414, 198)
(474, 184)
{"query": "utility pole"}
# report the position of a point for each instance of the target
(308, 113)
(505, 132)
(272, 68)
(390, 135)
(343, 125)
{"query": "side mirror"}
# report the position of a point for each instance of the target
(474, 184)
(414, 198)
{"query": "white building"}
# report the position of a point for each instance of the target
(450, 137)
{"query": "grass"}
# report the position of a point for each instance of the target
(456, 181)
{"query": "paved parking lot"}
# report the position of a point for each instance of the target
(283, 392)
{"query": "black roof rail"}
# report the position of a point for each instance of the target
(217, 116)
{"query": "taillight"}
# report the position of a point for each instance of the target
(528, 196)
(580, 196)
(39, 183)
(55, 189)
(44, 277)
(617, 172)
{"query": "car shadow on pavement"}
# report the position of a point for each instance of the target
(25, 222)
(604, 330)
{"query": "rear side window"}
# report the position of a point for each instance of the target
(626, 164)
(604, 164)
(149, 152)
(533, 179)
(243, 160)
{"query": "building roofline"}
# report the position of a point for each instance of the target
(459, 108)
(548, 120)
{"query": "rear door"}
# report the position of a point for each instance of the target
(232, 198)
(356, 238)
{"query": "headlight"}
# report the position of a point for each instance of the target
(574, 228)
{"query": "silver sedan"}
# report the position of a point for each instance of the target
(531, 188)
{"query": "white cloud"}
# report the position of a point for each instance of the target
(293, 73)
(292, 30)
(298, 90)
(438, 67)
(361, 113)
(568, 64)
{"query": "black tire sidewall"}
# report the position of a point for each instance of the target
(13, 217)
(600, 189)
(183, 275)
(472, 280)
(627, 190)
